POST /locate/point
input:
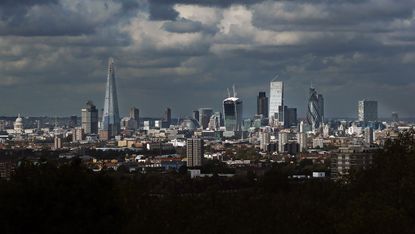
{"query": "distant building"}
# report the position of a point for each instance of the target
(18, 125)
(290, 117)
(276, 101)
(89, 118)
(302, 141)
(368, 133)
(315, 111)
(204, 117)
(262, 105)
(232, 109)
(282, 140)
(134, 113)
(73, 121)
(111, 117)
(166, 118)
(264, 140)
(367, 110)
(58, 142)
(194, 152)
(350, 158)
(195, 115)
(78, 134)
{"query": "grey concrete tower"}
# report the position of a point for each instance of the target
(110, 118)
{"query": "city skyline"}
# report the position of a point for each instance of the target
(167, 52)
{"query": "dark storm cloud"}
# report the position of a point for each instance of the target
(185, 56)
(162, 12)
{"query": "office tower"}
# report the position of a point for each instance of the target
(134, 114)
(290, 117)
(232, 109)
(215, 121)
(368, 136)
(367, 110)
(77, 134)
(204, 117)
(395, 117)
(195, 115)
(194, 152)
(111, 118)
(315, 109)
(264, 140)
(302, 141)
(282, 140)
(58, 142)
(276, 101)
(128, 123)
(262, 105)
(166, 118)
(73, 121)
(89, 118)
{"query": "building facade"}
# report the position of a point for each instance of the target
(232, 109)
(315, 109)
(89, 118)
(194, 152)
(276, 101)
(367, 110)
(262, 105)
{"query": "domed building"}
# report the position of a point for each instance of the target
(18, 125)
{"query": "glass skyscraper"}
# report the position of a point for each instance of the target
(315, 110)
(276, 100)
(110, 119)
(232, 109)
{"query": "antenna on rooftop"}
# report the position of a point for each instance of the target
(234, 91)
(229, 94)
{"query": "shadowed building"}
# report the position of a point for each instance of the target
(262, 105)
(89, 118)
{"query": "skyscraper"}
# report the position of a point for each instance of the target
(110, 118)
(367, 110)
(276, 101)
(195, 115)
(315, 109)
(232, 109)
(262, 104)
(194, 152)
(135, 114)
(204, 117)
(167, 118)
(89, 118)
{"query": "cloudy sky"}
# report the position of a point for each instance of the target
(183, 54)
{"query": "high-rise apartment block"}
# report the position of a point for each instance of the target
(194, 152)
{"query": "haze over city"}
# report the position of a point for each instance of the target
(184, 54)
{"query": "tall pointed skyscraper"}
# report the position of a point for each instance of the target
(110, 126)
